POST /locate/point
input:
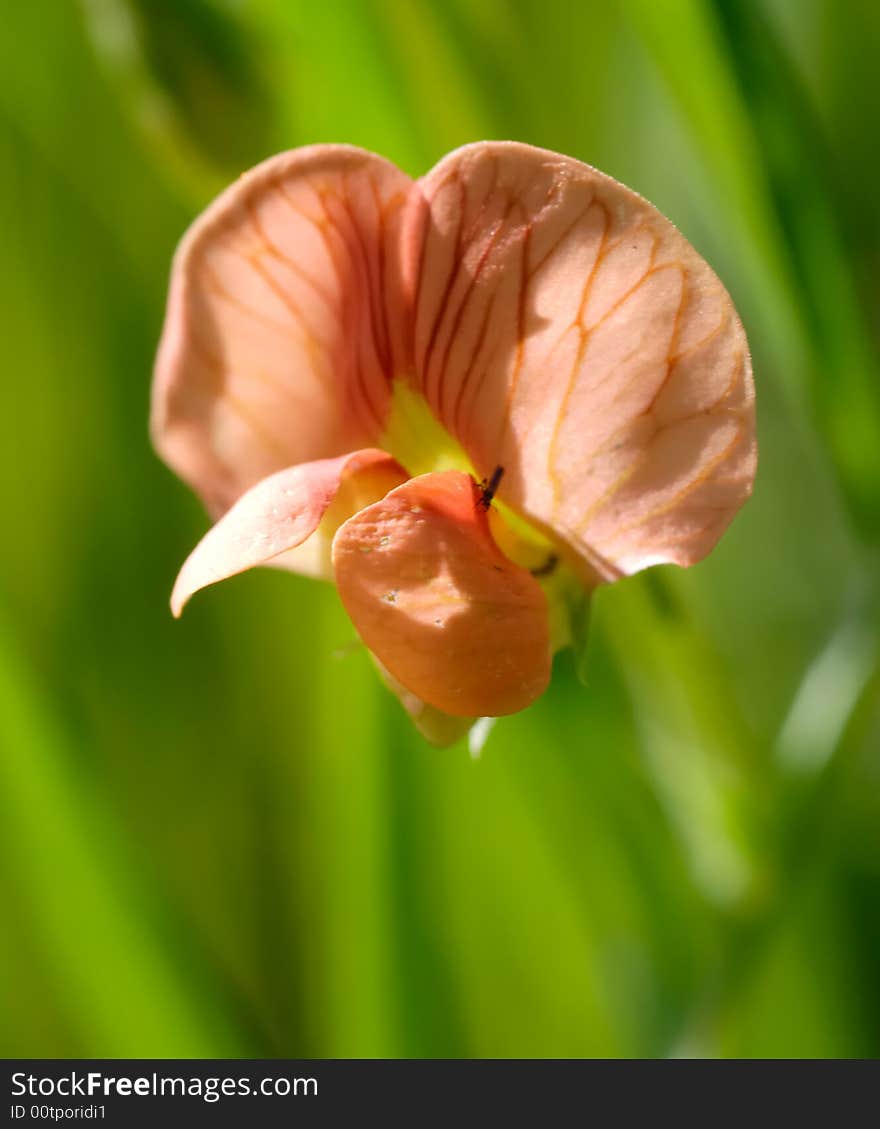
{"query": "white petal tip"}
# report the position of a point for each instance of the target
(478, 734)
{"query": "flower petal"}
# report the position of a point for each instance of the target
(274, 517)
(284, 323)
(452, 619)
(566, 331)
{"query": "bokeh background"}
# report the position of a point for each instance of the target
(221, 836)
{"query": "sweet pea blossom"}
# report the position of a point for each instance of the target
(462, 398)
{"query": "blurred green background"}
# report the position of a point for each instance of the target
(221, 836)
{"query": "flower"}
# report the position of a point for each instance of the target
(460, 397)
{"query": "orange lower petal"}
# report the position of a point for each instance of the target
(452, 619)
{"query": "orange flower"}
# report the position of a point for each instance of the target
(457, 397)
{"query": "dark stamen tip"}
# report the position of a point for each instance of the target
(489, 487)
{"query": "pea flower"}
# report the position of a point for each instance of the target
(464, 398)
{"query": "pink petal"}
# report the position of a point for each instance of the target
(566, 331)
(284, 323)
(279, 513)
(451, 618)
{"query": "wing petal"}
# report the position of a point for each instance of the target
(269, 523)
